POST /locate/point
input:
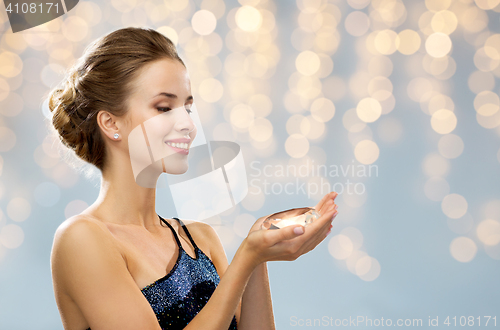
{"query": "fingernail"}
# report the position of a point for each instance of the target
(329, 231)
(336, 206)
(298, 230)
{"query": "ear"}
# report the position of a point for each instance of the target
(108, 124)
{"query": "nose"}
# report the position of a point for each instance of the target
(183, 121)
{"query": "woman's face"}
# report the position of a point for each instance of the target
(160, 126)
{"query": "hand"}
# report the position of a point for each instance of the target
(285, 243)
(321, 207)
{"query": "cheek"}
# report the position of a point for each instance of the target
(192, 134)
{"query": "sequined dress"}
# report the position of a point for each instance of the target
(179, 296)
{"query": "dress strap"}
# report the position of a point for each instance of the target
(187, 233)
(173, 231)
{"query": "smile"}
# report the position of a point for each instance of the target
(184, 146)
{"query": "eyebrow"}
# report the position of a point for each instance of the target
(173, 96)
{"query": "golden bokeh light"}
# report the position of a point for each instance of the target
(408, 42)
(380, 66)
(170, 33)
(322, 109)
(380, 88)
(4, 89)
(241, 116)
(351, 121)
(438, 102)
(435, 165)
(484, 62)
(307, 63)
(488, 231)
(366, 152)
(294, 124)
(454, 206)
(256, 65)
(316, 129)
(248, 18)
(461, 226)
(487, 103)
(75, 29)
(340, 247)
(419, 89)
(211, 90)
(443, 121)
(385, 41)
(369, 109)
(437, 5)
(357, 23)
(261, 104)
(297, 146)
(10, 64)
(438, 44)
(358, 4)
(326, 66)
(261, 129)
(444, 21)
(204, 22)
(492, 47)
(354, 235)
(7, 139)
(11, 236)
(473, 19)
(487, 4)
(18, 209)
(367, 268)
(309, 6)
(450, 146)
(463, 249)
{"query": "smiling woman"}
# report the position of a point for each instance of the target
(116, 265)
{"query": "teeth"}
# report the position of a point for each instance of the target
(178, 145)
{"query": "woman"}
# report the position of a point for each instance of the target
(118, 264)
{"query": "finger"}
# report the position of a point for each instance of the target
(286, 233)
(327, 197)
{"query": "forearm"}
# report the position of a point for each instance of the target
(221, 307)
(256, 305)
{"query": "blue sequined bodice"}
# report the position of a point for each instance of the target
(180, 295)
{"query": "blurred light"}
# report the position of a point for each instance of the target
(254, 200)
(11, 236)
(261, 129)
(380, 66)
(74, 207)
(47, 194)
(352, 122)
(354, 200)
(89, 11)
(463, 249)
(353, 259)
(4, 89)
(437, 5)
(438, 44)
(309, 6)
(11, 106)
(380, 88)
(474, 19)
(487, 103)
(443, 121)
(307, 63)
(170, 33)
(315, 128)
(358, 4)
(322, 109)
(444, 21)
(10, 64)
(15, 42)
(450, 146)
(302, 39)
(462, 225)
(438, 102)
(390, 130)
(492, 47)
(327, 42)
(454, 206)
(354, 235)
(357, 23)
(340, 247)
(435, 165)
(487, 4)
(436, 188)
(480, 81)
(366, 152)
(294, 124)
(365, 134)
(310, 21)
(241, 116)
(369, 109)
(256, 65)
(488, 231)
(204, 22)
(7, 139)
(368, 268)
(211, 90)
(18, 209)
(334, 88)
(326, 66)
(489, 122)
(418, 88)
(484, 62)
(297, 145)
(248, 18)
(385, 41)
(261, 104)
(407, 42)
(75, 28)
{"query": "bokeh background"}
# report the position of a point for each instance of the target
(406, 89)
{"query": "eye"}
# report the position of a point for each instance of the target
(164, 109)
(188, 108)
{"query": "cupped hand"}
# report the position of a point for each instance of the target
(290, 242)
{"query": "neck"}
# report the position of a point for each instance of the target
(122, 201)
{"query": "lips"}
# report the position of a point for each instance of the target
(179, 145)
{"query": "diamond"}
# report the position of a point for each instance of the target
(300, 216)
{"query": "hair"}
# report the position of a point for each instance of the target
(101, 80)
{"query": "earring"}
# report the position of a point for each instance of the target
(116, 136)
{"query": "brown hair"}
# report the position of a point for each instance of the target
(101, 80)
